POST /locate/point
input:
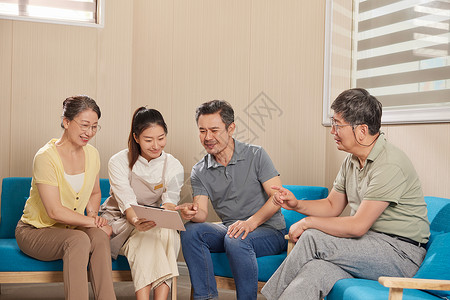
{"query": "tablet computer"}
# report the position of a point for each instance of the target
(163, 218)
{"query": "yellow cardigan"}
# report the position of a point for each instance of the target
(48, 169)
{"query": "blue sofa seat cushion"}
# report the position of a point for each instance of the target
(120, 264)
(267, 265)
(12, 259)
(357, 289)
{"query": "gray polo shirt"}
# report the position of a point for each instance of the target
(236, 191)
(388, 175)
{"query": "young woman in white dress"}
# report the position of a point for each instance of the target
(145, 174)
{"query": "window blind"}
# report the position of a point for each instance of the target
(85, 11)
(401, 50)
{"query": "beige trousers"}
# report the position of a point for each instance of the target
(152, 256)
(78, 248)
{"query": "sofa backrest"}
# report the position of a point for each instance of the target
(104, 187)
(302, 192)
(438, 214)
(436, 264)
(15, 192)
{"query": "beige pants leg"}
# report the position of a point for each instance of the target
(74, 247)
(100, 269)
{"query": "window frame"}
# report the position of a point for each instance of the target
(100, 18)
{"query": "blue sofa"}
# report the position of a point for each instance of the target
(15, 266)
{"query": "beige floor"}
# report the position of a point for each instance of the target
(124, 291)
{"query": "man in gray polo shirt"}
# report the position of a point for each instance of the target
(237, 179)
(387, 228)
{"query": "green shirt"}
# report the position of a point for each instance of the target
(388, 175)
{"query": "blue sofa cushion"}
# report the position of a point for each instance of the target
(436, 264)
(104, 187)
(120, 264)
(438, 210)
(15, 191)
(14, 260)
(357, 289)
(267, 265)
(291, 217)
(302, 193)
(221, 265)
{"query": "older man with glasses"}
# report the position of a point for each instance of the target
(387, 229)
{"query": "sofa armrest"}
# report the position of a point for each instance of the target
(415, 283)
(291, 244)
(397, 284)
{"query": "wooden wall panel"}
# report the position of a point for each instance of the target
(49, 63)
(248, 53)
(427, 146)
(5, 97)
(210, 61)
(114, 78)
(287, 65)
(152, 56)
(153, 71)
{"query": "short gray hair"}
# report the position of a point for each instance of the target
(211, 107)
(358, 107)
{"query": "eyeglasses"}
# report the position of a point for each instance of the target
(338, 126)
(85, 127)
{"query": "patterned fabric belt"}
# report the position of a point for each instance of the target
(404, 239)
